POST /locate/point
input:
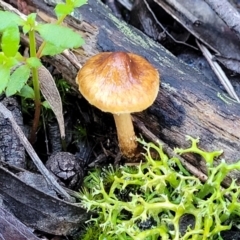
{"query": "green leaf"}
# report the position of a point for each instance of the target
(60, 36)
(17, 80)
(8, 19)
(10, 41)
(9, 61)
(76, 3)
(31, 19)
(18, 57)
(27, 92)
(69, 2)
(79, 3)
(46, 105)
(30, 23)
(34, 62)
(26, 28)
(3, 58)
(63, 9)
(4, 77)
(51, 50)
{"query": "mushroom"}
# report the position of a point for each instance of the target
(120, 83)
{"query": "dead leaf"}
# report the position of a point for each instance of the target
(33, 205)
(199, 19)
(50, 92)
(12, 228)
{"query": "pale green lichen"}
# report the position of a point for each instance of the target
(138, 40)
(147, 202)
(168, 87)
(122, 26)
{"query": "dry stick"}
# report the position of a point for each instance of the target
(227, 13)
(46, 137)
(44, 171)
(218, 71)
(140, 125)
(72, 58)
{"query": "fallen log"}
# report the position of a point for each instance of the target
(187, 103)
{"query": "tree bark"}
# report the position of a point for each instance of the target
(187, 103)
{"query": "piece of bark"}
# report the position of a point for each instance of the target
(11, 148)
(67, 168)
(36, 208)
(187, 102)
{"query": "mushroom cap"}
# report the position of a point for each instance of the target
(118, 82)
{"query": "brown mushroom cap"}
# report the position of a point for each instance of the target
(118, 82)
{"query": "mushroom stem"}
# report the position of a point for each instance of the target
(126, 135)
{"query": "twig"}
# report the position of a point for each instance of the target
(218, 71)
(168, 150)
(44, 171)
(72, 58)
(45, 133)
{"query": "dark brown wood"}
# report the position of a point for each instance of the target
(187, 103)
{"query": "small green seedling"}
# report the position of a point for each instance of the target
(15, 69)
(150, 201)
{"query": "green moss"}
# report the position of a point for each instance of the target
(148, 201)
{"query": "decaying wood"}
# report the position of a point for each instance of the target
(187, 102)
(11, 149)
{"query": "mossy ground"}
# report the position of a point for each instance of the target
(149, 201)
